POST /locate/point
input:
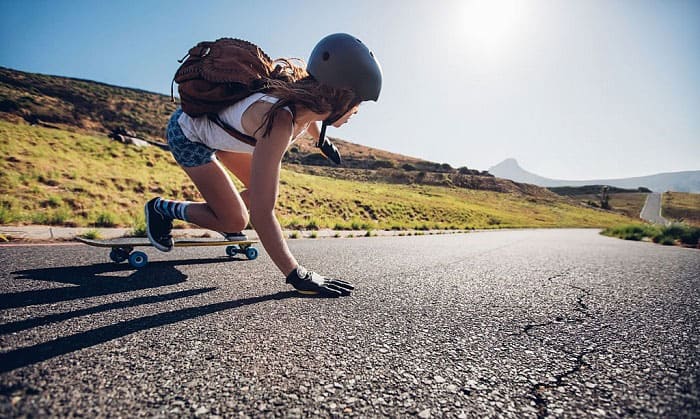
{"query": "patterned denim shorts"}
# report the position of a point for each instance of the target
(187, 153)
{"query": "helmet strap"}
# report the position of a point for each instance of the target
(334, 117)
(328, 149)
(322, 136)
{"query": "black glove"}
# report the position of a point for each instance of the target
(311, 283)
(329, 150)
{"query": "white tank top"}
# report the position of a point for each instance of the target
(202, 130)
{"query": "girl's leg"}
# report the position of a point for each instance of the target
(240, 165)
(224, 209)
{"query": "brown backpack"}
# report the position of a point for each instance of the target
(218, 74)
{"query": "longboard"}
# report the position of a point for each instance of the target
(123, 248)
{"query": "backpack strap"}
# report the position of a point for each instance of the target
(233, 132)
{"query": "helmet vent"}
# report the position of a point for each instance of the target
(326, 56)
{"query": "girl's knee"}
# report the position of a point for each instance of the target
(236, 223)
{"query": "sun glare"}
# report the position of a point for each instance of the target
(491, 25)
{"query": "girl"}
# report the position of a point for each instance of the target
(341, 73)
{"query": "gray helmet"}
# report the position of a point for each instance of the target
(343, 61)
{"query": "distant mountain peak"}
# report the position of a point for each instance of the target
(508, 163)
(510, 169)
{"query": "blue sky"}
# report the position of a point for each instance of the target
(572, 89)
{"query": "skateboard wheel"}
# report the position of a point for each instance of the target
(251, 253)
(138, 259)
(232, 250)
(118, 255)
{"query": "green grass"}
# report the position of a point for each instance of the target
(63, 178)
(634, 232)
(361, 206)
(685, 234)
(6, 215)
(668, 235)
(138, 227)
(56, 177)
(91, 234)
(106, 219)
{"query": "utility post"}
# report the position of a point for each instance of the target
(604, 198)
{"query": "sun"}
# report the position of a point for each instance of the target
(491, 25)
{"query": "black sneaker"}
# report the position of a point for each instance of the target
(234, 237)
(158, 227)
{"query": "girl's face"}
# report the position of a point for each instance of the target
(343, 119)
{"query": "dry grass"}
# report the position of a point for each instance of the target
(629, 204)
(681, 206)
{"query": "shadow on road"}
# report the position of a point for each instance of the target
(92, 281)
(37, 353)
(21, 325)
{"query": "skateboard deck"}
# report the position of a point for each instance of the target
(123, 248)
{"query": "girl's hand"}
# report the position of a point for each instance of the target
(311, 283)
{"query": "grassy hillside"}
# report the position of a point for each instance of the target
(681, 206)
(51, 176)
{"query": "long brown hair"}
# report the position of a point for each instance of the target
(293, 86)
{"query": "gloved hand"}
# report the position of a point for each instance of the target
(311, 283)
(329, 150)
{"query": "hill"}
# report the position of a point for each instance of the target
(687, 181)
(83, 104)
(57, 177)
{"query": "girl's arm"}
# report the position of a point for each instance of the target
(264, 188)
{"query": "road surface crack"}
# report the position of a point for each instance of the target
(559, 275)
(557, 320)
(538, 391)
(581, 307)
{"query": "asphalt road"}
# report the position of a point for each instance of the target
(559, 323)
(652, 209)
